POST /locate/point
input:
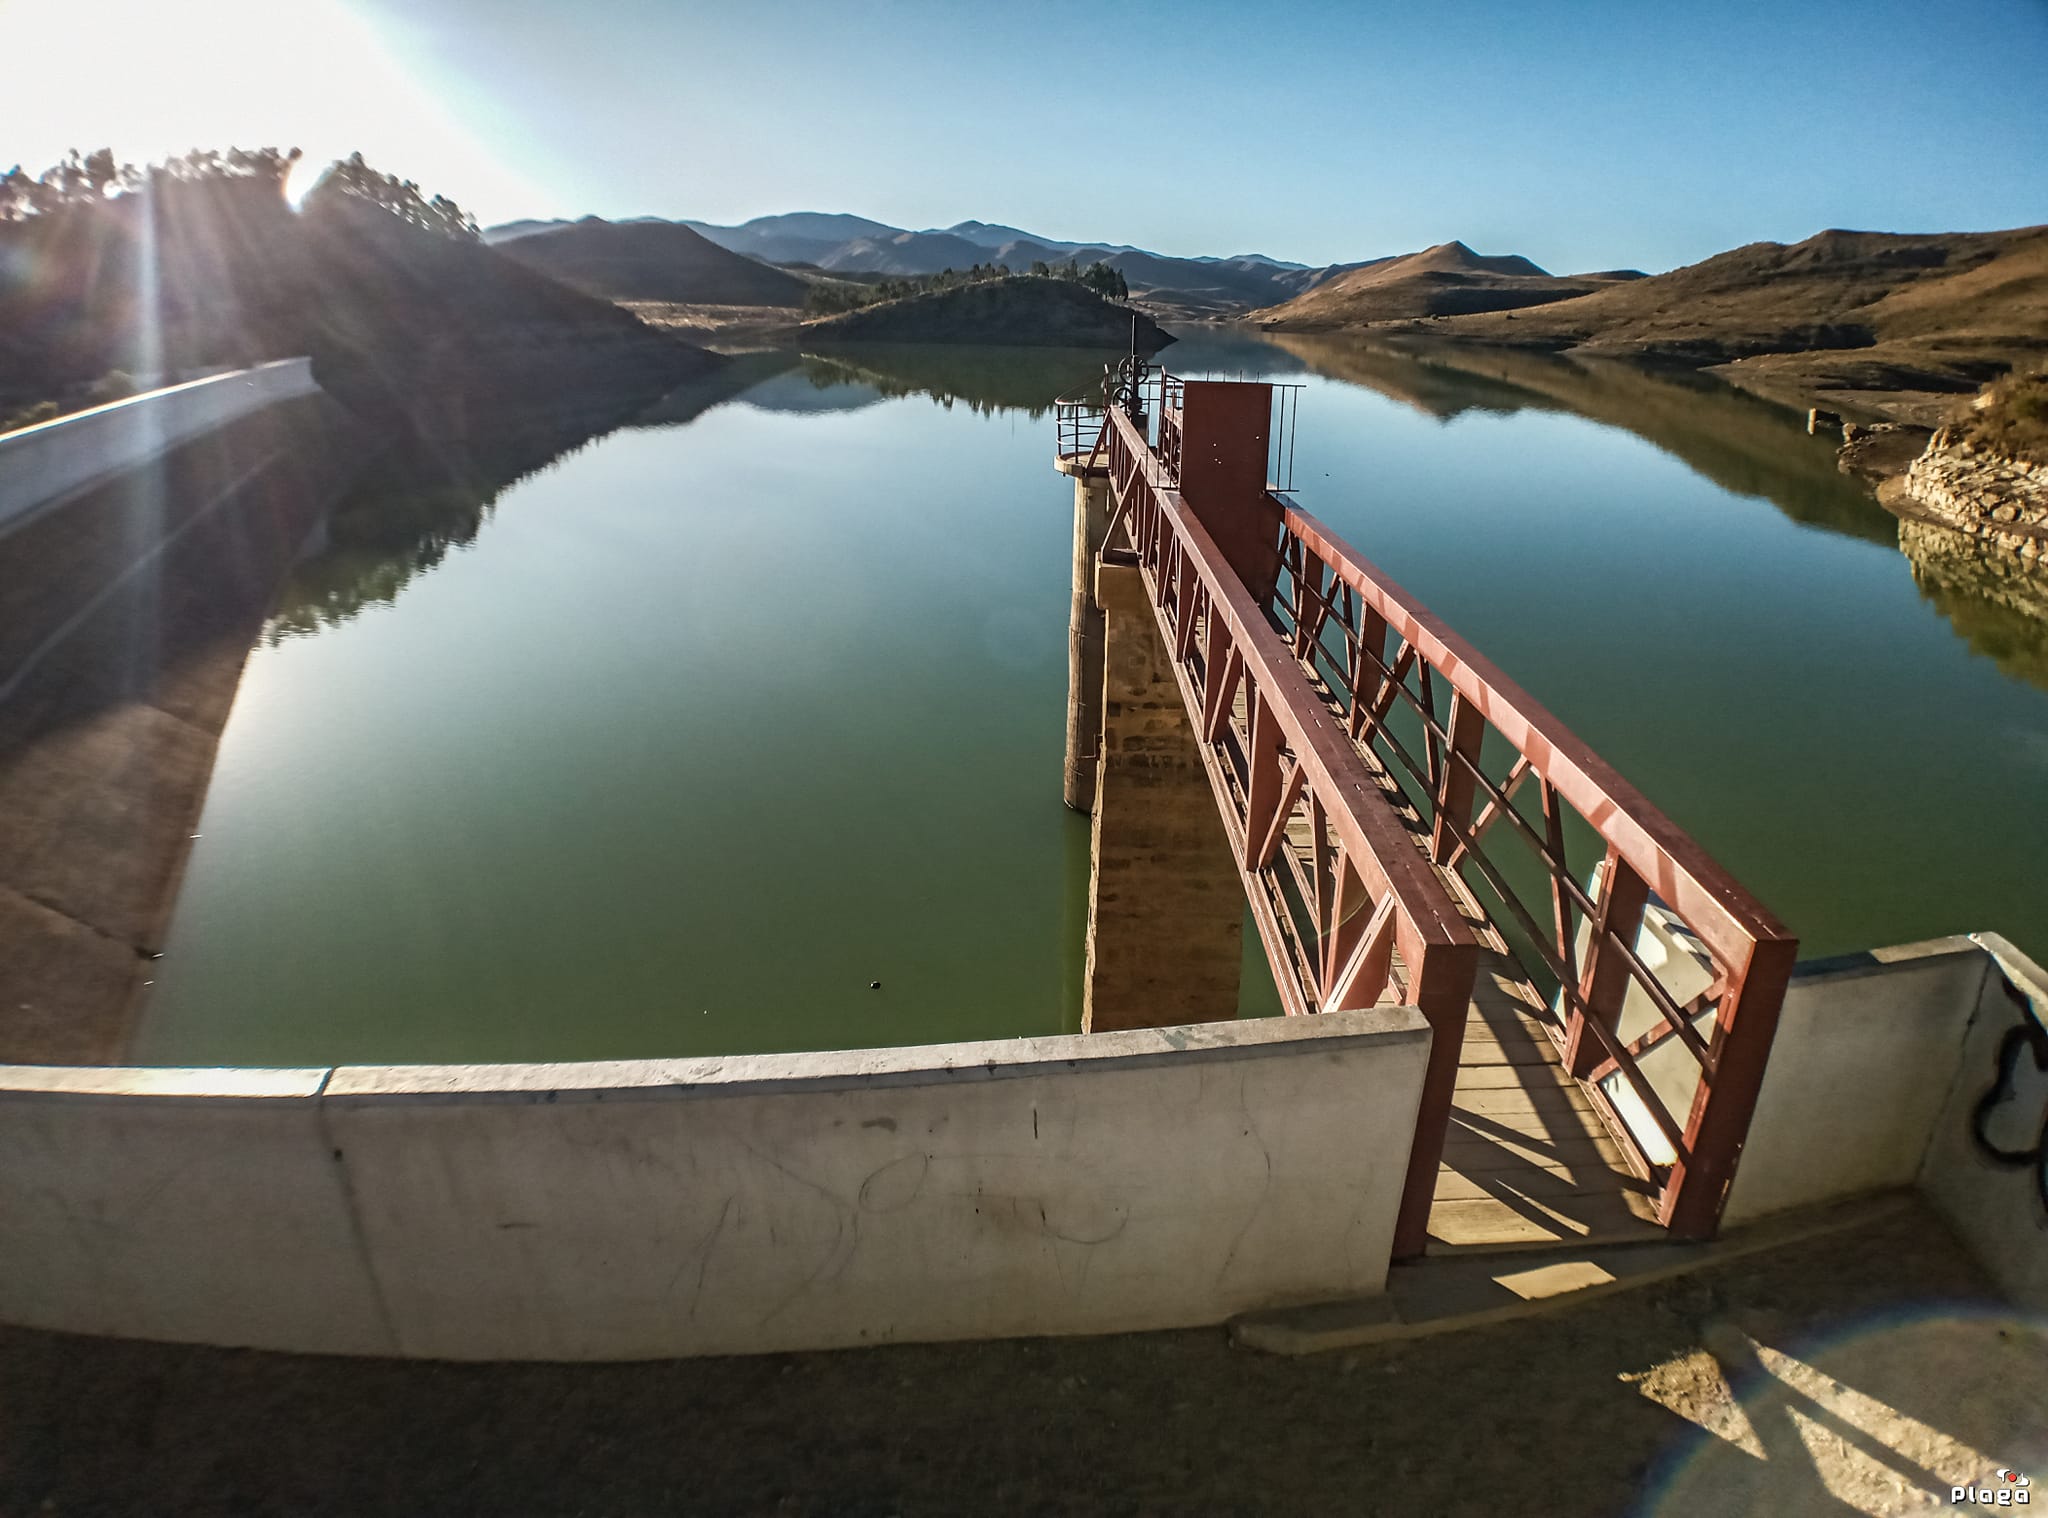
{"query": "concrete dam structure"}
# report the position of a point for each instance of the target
(1526, 1011)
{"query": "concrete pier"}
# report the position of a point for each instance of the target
(1084, 641)
(1165, 902)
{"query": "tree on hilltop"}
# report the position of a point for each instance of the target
(353, 179)
(90, 179)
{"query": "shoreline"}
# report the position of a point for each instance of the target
(105, 760)
(1775, 377)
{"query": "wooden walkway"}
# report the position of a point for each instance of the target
(1528, 1163)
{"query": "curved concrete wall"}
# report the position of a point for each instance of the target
(1147, 1179)
(1876, 1076)
(1999, 1208)
(1866, 1048)
(43, 465)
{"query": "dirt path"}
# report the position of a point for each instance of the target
(1873, 1365)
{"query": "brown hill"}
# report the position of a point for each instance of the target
(1447, 280)
(1896, 321)
(1020, 311)
(652, 261)
(400, 321)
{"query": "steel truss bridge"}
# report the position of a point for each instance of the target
(1412, 827)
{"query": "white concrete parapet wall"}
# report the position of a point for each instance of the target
(1147, 1179)
(1879, 1066)
(1999, 1097)
(1866, 1049)
(43, 465)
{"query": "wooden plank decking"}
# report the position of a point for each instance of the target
(1527, 1162)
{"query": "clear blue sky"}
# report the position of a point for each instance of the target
(1585, 136)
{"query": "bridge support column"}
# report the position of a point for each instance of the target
(1166, 903)
(1084, 644)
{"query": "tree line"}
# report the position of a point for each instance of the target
(97, 178)
(828, 300)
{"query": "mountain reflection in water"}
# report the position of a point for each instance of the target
(673, 738)
(420, 502)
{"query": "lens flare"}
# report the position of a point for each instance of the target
(1879, 1417)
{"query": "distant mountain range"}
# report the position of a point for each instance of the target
(855, 246)
(650, 260)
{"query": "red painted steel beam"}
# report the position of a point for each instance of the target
(1725, 916)
(1180, 560)
(1369, 831)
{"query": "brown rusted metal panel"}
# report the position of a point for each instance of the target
(1225, 430)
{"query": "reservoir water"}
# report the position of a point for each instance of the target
(679, 742)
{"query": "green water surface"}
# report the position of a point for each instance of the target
(676, 744)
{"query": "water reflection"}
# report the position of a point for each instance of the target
(741, 377)
(425, 496)
(986, 380)
(758, 701)
(1741, 442)
(1738, 440)
(1997, 607)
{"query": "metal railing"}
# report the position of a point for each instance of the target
(1079, 424)
(1080, 420)
(1350, 912)
(1661, 978)
(1348, 733)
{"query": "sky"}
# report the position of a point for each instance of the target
(1584, 136)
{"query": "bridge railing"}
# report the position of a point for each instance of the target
(1079, 423)
(1659, 976)
(1350, 912)
(1279, 433)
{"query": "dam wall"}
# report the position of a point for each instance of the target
(1919, 1066)
(41, 466)
(1099, 1183)
(127, 609)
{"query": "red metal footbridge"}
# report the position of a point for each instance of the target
(1412, 827)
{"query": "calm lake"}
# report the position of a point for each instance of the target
(676, 743)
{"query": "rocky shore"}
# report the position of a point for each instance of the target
(1977, 491)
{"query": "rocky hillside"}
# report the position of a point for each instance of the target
(651, 261)
(1839, 316)
(1447, 280)
(1015, 312)
(2009, 418)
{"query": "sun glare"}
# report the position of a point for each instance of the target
(317, 75)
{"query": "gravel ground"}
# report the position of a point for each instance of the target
(1870, 1370)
